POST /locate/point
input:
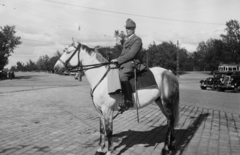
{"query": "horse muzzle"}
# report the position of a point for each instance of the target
(59, 70)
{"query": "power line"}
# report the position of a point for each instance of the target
(176, 20)
(37, 40)
(71, 34)
(57, 20)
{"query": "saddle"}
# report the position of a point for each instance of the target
(144, 78)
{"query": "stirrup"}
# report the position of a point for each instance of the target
(124, 106)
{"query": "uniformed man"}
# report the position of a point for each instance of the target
(131, 47)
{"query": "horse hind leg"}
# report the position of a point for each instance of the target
(170, 136)
(165, 107)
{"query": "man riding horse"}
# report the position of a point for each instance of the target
(131, 47)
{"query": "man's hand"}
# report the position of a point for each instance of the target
(114, 61)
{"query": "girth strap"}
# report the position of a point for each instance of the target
(92, 91)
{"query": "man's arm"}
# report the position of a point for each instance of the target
(137, 45)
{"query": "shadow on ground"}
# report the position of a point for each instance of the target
(157, 135)
(38, 149)
(27, 77)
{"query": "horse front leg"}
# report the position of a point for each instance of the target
(102, 137)
(109, 129)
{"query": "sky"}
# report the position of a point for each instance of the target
(48, 26)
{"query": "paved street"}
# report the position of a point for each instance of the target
(47, 114)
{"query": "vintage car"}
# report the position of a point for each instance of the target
(3, 74)
(230, 82)
(210, 82)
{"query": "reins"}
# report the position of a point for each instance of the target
(83, 68)
(105, 74)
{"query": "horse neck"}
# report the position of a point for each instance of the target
(93, 75)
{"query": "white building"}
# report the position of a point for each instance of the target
(228, 67)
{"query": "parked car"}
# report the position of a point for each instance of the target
(229, 82)
(3, 74)
(210, 82)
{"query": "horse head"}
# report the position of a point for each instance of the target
(69, 59)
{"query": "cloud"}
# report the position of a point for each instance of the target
(46, 27)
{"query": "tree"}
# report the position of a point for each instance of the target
(20, 66)
(31, 66)
(8, 42)
(43, 63)
(185, 60)
(54, 59)
(215, 54)
(199, 56)
(232, 40)
(14, 68)
(163, 55)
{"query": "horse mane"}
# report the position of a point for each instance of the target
(92, 50)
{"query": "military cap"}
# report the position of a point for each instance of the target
(130, 23)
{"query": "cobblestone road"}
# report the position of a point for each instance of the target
(61, 120)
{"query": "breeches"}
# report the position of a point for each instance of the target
(125, 74)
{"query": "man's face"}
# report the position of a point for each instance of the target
(130, 31)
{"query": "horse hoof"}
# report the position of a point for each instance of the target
(171, 148)
(99, 153)
(165, 152)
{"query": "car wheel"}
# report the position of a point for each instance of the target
(237, 89)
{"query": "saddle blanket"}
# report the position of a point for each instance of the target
(145, 80)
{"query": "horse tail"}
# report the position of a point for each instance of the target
(171, 96)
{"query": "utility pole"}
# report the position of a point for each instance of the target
(147, 58)
(177, 59)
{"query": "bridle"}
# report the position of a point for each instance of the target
(82, 68)
(67, 64)
(79, 64)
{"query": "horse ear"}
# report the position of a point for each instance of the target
(79, 44)
(73, 42)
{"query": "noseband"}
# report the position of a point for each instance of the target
(82, 68)
(67, 64)
(79, 65)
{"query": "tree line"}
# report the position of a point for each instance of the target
(44, 63)
(208, 54)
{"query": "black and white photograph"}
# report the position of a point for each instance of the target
(111, 77)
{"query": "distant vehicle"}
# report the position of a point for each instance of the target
(66, 73)
(230, 82)
(3, 74)
(11, 75)
(210, 82)
(73, 73)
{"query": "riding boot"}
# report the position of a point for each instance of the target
(127, 92)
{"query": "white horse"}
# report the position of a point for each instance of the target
(166, 96)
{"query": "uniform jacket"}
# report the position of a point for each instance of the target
(131, 48)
